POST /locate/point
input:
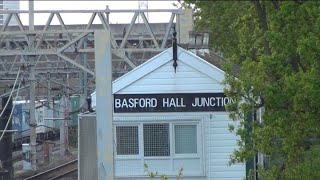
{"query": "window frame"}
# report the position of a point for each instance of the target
(116, 145)
(169, 136)
(197, 140)
(171, 118)
(172, 123)
(128, 156)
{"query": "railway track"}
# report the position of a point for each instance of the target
(56, 172)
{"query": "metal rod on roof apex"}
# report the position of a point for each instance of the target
(174, 49)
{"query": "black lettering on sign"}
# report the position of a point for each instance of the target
(186, 102)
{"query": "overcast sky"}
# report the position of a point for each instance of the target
(94, 5)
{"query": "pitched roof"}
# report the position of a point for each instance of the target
(152, 64)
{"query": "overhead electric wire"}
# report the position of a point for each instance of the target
(70, 113)
(74, 91)
(41, 101)
(9, 119)
(14, 85)
(80, 89)
(54, 110)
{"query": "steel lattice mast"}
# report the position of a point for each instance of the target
(69, 49)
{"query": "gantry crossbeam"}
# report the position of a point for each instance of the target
(61, 49)
(65, 40)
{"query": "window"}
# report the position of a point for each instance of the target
(164, 146)
(127, 140)
(156, 140)
(185, 139)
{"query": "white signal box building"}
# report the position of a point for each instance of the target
(171, 119)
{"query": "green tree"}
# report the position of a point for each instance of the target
(276, 46)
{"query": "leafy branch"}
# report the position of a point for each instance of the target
(153, 175)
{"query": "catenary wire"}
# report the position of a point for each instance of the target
(74, 91)
(14, 85)
(9, 119)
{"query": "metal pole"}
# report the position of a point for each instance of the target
(66, 133)
(62, 125)
(178, 27)
(66, 115)
(104, 108)
(68, 84)
(48, 89)
(32, 79)
(85, 74)
(107, 14)
(31, 15)
(32, 124)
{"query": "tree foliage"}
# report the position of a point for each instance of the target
(276, 45)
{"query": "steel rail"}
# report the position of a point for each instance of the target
(56, 172)
(64, 174)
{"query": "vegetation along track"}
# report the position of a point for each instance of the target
(56, 172)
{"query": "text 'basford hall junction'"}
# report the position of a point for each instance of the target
(170, 102)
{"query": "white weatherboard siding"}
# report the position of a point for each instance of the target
(193, 74)
(217, 145)
(215, 142)
(165, 80)
(129, 166)
(220, 143)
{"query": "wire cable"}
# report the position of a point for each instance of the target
(14, 85)
(42, 103)
(59, 105)
(70, 113)
(92, 79)
(9, 119)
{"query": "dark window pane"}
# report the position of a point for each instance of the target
(156, 140)
(127, 140)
